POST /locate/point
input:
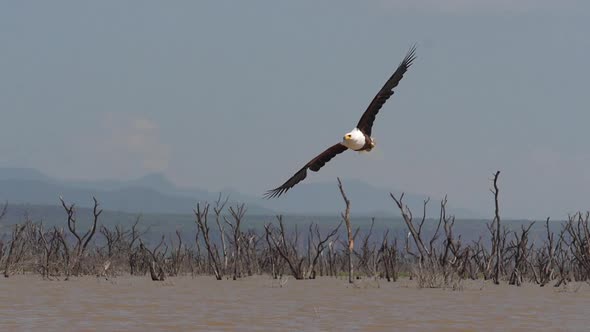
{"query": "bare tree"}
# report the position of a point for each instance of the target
(543, 263)
(2, 244)
(346, 217)
(367, 256)
(237, 216)
(156, 260)
(219, 206)
(579, 245)
(132, 250)
(113, 238)
(286, 249)
(82, 241)
(273, 253)
(433, 269)
(50, 245)
(562, 259)
(319, 247)
(3, 210)
(389, 256)
(521, 255)
(16, 249)
(249, 251)
(201, 220)
(496, 193)
(178, 256)
(416, 233)
(197, 255)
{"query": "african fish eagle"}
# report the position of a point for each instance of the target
(359, 139)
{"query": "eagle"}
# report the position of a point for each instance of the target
(358, 139)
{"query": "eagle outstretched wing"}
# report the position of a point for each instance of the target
(315, 164)
(365, 124)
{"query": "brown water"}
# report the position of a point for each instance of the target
(28, 303)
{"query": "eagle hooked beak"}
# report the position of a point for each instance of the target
(347, 137)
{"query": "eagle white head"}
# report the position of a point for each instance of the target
(354, 140)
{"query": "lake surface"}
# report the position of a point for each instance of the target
(28, 303)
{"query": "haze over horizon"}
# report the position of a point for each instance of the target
(240, 95)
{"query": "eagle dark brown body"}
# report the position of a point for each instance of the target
(369, 144)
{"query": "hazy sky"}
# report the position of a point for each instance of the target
(241, 94)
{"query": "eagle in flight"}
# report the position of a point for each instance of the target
(359, 139)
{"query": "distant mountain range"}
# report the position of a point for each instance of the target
(154, 193)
